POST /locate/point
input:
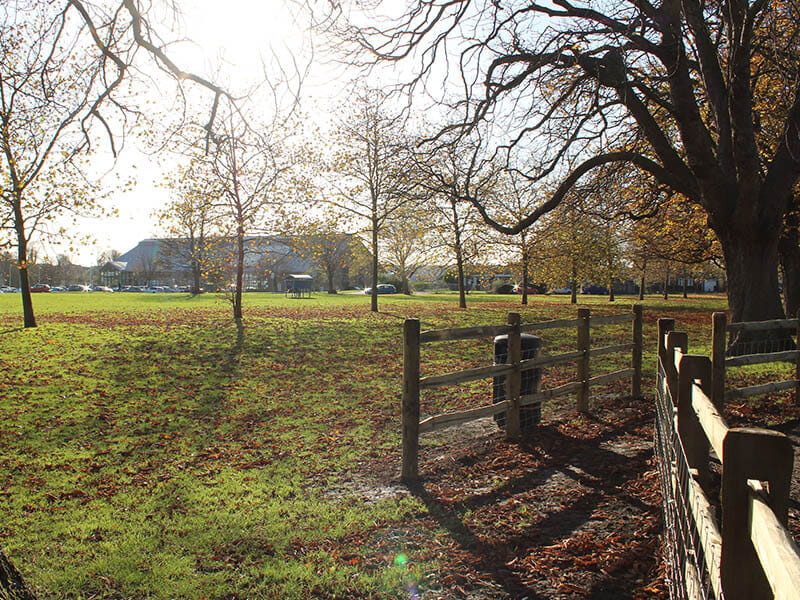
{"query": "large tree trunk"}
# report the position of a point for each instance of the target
(789, 249)
(195, 278)
(752, 268)
(462, 296)
(751, 261)
(405, 283)
(29, 320)
(574, 293)
(12, 586)
(641, 287)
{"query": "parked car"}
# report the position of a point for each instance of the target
(58, 288)
(503, 288)
(561, 291)
(383, 288)
(79, 288)
(596, 290)
(8, 290)
(132, 288)
(102, 288)
(40, 287)
(532, 289)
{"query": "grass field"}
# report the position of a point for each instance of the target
(150, 448)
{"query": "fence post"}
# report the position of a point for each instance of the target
(514, 379)
(694, 439)
(584, 345)
(719, 322)
(410, 400)
(636, 359)
(675, 339)
(762, 455)
(664, 327)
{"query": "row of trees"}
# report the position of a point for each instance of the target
(370, 177)
(663, 106)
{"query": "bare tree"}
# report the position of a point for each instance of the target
(673, 88)
(443, 176)
(369, 169)
(247, 164)
(517, 198)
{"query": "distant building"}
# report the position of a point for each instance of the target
(268, 261)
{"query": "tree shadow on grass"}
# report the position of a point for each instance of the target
(234, 354)
(590, 469)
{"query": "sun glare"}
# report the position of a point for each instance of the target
(242, 32)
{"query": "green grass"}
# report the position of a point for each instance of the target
(149, 448)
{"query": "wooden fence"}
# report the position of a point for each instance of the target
(512, 370)
(750, 554)
(721, 329)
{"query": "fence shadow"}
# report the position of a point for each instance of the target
(589, 465)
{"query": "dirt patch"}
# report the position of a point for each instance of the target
(572, 512)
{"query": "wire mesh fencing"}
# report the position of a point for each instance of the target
(688, 567)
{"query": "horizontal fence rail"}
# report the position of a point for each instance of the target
(512, 371)
(750, 554)
(723, 332)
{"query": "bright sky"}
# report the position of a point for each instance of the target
(234, 34)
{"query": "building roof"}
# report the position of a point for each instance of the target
(114, 265)
(172, 254)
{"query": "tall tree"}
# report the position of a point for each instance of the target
(678, 78)
(247, 163)
(62, 68)
(516, 198)
(368, 169)
(440, 178)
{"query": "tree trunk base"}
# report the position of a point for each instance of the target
(12, 586)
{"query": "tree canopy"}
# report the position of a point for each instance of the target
(677, 89)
